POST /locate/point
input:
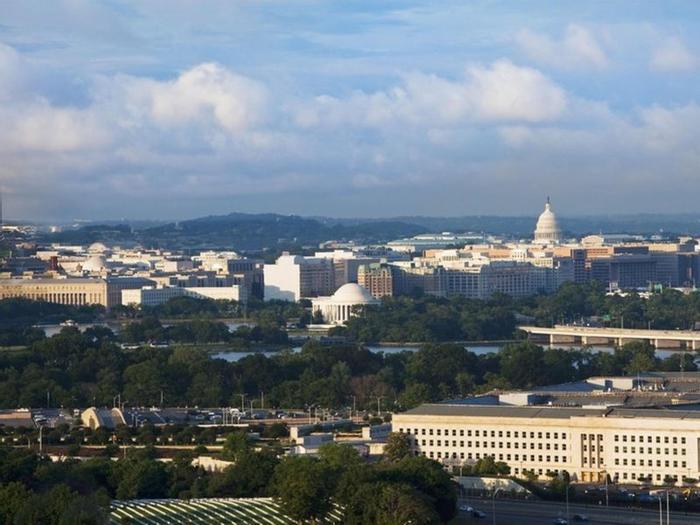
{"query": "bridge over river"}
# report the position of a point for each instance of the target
(586, 335)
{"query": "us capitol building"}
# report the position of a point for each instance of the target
(547, 230)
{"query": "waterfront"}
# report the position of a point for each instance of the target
(480, 349)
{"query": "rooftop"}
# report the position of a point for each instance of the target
(549, 412)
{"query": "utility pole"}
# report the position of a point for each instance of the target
(668, 510)
(379, 405)
(242, 402)
(607, 502)
(41, 439)
(661, 512)
(262, 400)
(354, 407)
(567, 501)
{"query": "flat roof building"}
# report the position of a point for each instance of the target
(628, 445)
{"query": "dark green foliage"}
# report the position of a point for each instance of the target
(303, 484)
(20, 312)
(403, 319)
(397, 447)
(249, 477)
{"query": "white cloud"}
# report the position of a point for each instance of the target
(44, 128)
(673, 56)
(502, 91)
(509, 92)
(576, 50)
(207, 93)
(11, 72)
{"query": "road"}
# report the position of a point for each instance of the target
(517, 512)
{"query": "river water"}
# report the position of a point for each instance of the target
(478, 349)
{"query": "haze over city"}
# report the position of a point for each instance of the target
(177, 109)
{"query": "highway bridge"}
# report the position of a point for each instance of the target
(591, 336)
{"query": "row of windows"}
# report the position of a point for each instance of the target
(633, 439)
(650, 463)
(493, 444)
(650, 450)
(484, 433)
(641, 476)
(500, 457)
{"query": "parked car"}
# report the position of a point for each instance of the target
(580, 517)
(478, 514)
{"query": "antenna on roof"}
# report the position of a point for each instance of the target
(548, 201)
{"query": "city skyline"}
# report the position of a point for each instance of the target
(166, 111)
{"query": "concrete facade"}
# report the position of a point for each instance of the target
(630, 446)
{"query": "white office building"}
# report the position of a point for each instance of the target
(152, 296)
(294, 276)
(653, 446)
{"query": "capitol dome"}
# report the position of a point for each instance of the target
(547, 229)
(353, 293)
(95, 264)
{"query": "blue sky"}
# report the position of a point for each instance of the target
(181, 108)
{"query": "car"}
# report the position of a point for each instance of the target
(580, 517)
(560, 521)
(478, 514)
(466, 508)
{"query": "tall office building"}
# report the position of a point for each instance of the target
(377, 278)
(294, 276)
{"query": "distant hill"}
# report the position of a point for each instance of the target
(253, 232)
(243, 231)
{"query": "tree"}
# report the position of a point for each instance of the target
(235, 446)
(398, 504)
(13, 496)
(141, 478)
(640, 357)
(248, 478)
(302, 484)
(522, 364)
(430, 478)
(339, 456)
(398, 446)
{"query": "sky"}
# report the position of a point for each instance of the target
(170, 109)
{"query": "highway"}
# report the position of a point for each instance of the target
(518, 512)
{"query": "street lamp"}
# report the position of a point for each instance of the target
(493, 505)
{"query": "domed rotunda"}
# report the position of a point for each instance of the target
(94, 264)
(340, 306)
(547, 230)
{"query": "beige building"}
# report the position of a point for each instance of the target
(72, 291)
(95, 418)
(153, 296)
(62, 291)
(629, 445)
(377, 278)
